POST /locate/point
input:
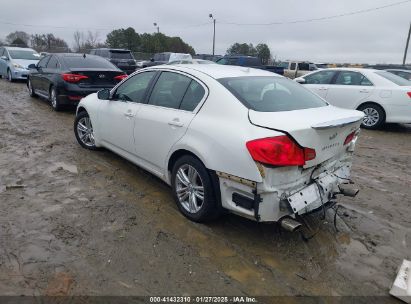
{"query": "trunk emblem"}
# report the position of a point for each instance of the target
(333, 136)
(101, 76)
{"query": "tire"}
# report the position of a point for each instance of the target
(53, 99)
(84, 136)
(374, 116)
(190, 174)
(32, 93)
(9, 76)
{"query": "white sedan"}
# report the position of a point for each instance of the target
(226, 137)
(382, 96)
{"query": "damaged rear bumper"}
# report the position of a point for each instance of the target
(284, 192)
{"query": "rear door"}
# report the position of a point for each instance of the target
(164, 120)
(117, 116)
(319, 82)
(349, 89)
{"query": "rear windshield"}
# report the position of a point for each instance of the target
(88, 62)
(394, 78)
(120, 55)
(271, 94)
(24, 54)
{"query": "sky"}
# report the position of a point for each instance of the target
(376, 36)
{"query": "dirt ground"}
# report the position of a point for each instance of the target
(76, 222)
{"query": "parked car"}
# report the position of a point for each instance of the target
(193, 61)
(14, 62)
(248, 141)
(406, 74)
(249, 61)
(64, 79)
(207, 57)
(121, 58)
(166, 57)
(382, 96)
(294, 69)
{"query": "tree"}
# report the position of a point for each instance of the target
(263, 52)
(78, 41)
(124, 39)
(22, 38)
(48, 43)
(242, 49)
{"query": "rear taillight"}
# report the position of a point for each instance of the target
(120, 77)
(279, 151)
(409, 94)
(349, 138)
(72, 78)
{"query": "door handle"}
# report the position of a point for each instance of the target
(364, 91)
(129, 113)
(176, 123)
(322, 89)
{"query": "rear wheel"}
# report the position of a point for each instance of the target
(32, 93)
(193, 190)
(54, 100)
(374, 116)
(83, 129)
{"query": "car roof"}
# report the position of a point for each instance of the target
(399, 70)
(72, 55)
(351, 69)
(217, 71)
(110, 49)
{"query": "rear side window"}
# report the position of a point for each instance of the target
(120, 55)
(194, 94)
(271, 94)
(134, 88)
(323, 77)
(352, 78)
(88, 62)
(169, 90)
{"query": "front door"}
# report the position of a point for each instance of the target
(117, 115)
(319, 82)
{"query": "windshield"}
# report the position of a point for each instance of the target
(394, 78)
(120, 55)
(271, 94)
(24, 54)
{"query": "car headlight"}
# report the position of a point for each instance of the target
(18, 66)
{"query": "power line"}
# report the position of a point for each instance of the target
(320, 18)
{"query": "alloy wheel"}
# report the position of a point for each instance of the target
(10, 77)
(189, 188)
(85, 131)
(53, 98)
(371, 117)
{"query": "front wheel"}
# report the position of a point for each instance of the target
(193, 190)
(374, 116)
(9, 76)
(32, 93)
(83, 129)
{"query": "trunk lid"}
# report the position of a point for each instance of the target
(97, 77)
(323, 129)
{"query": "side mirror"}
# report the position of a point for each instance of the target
(152, 59)
(4, 58)
(300, 80)
(103, 94)
(32, 66)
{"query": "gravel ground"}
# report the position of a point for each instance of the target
(76, 222)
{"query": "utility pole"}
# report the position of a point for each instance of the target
(157, 26)
(406, 46)
(211, 16)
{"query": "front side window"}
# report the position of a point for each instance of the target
(43, 62)
(352, 78)
(323, 77)
(271, 94)
(134, 88)
(169, 90)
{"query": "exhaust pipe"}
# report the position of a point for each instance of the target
(290, 224)
(349, 192)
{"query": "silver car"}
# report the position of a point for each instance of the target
(14, 62)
